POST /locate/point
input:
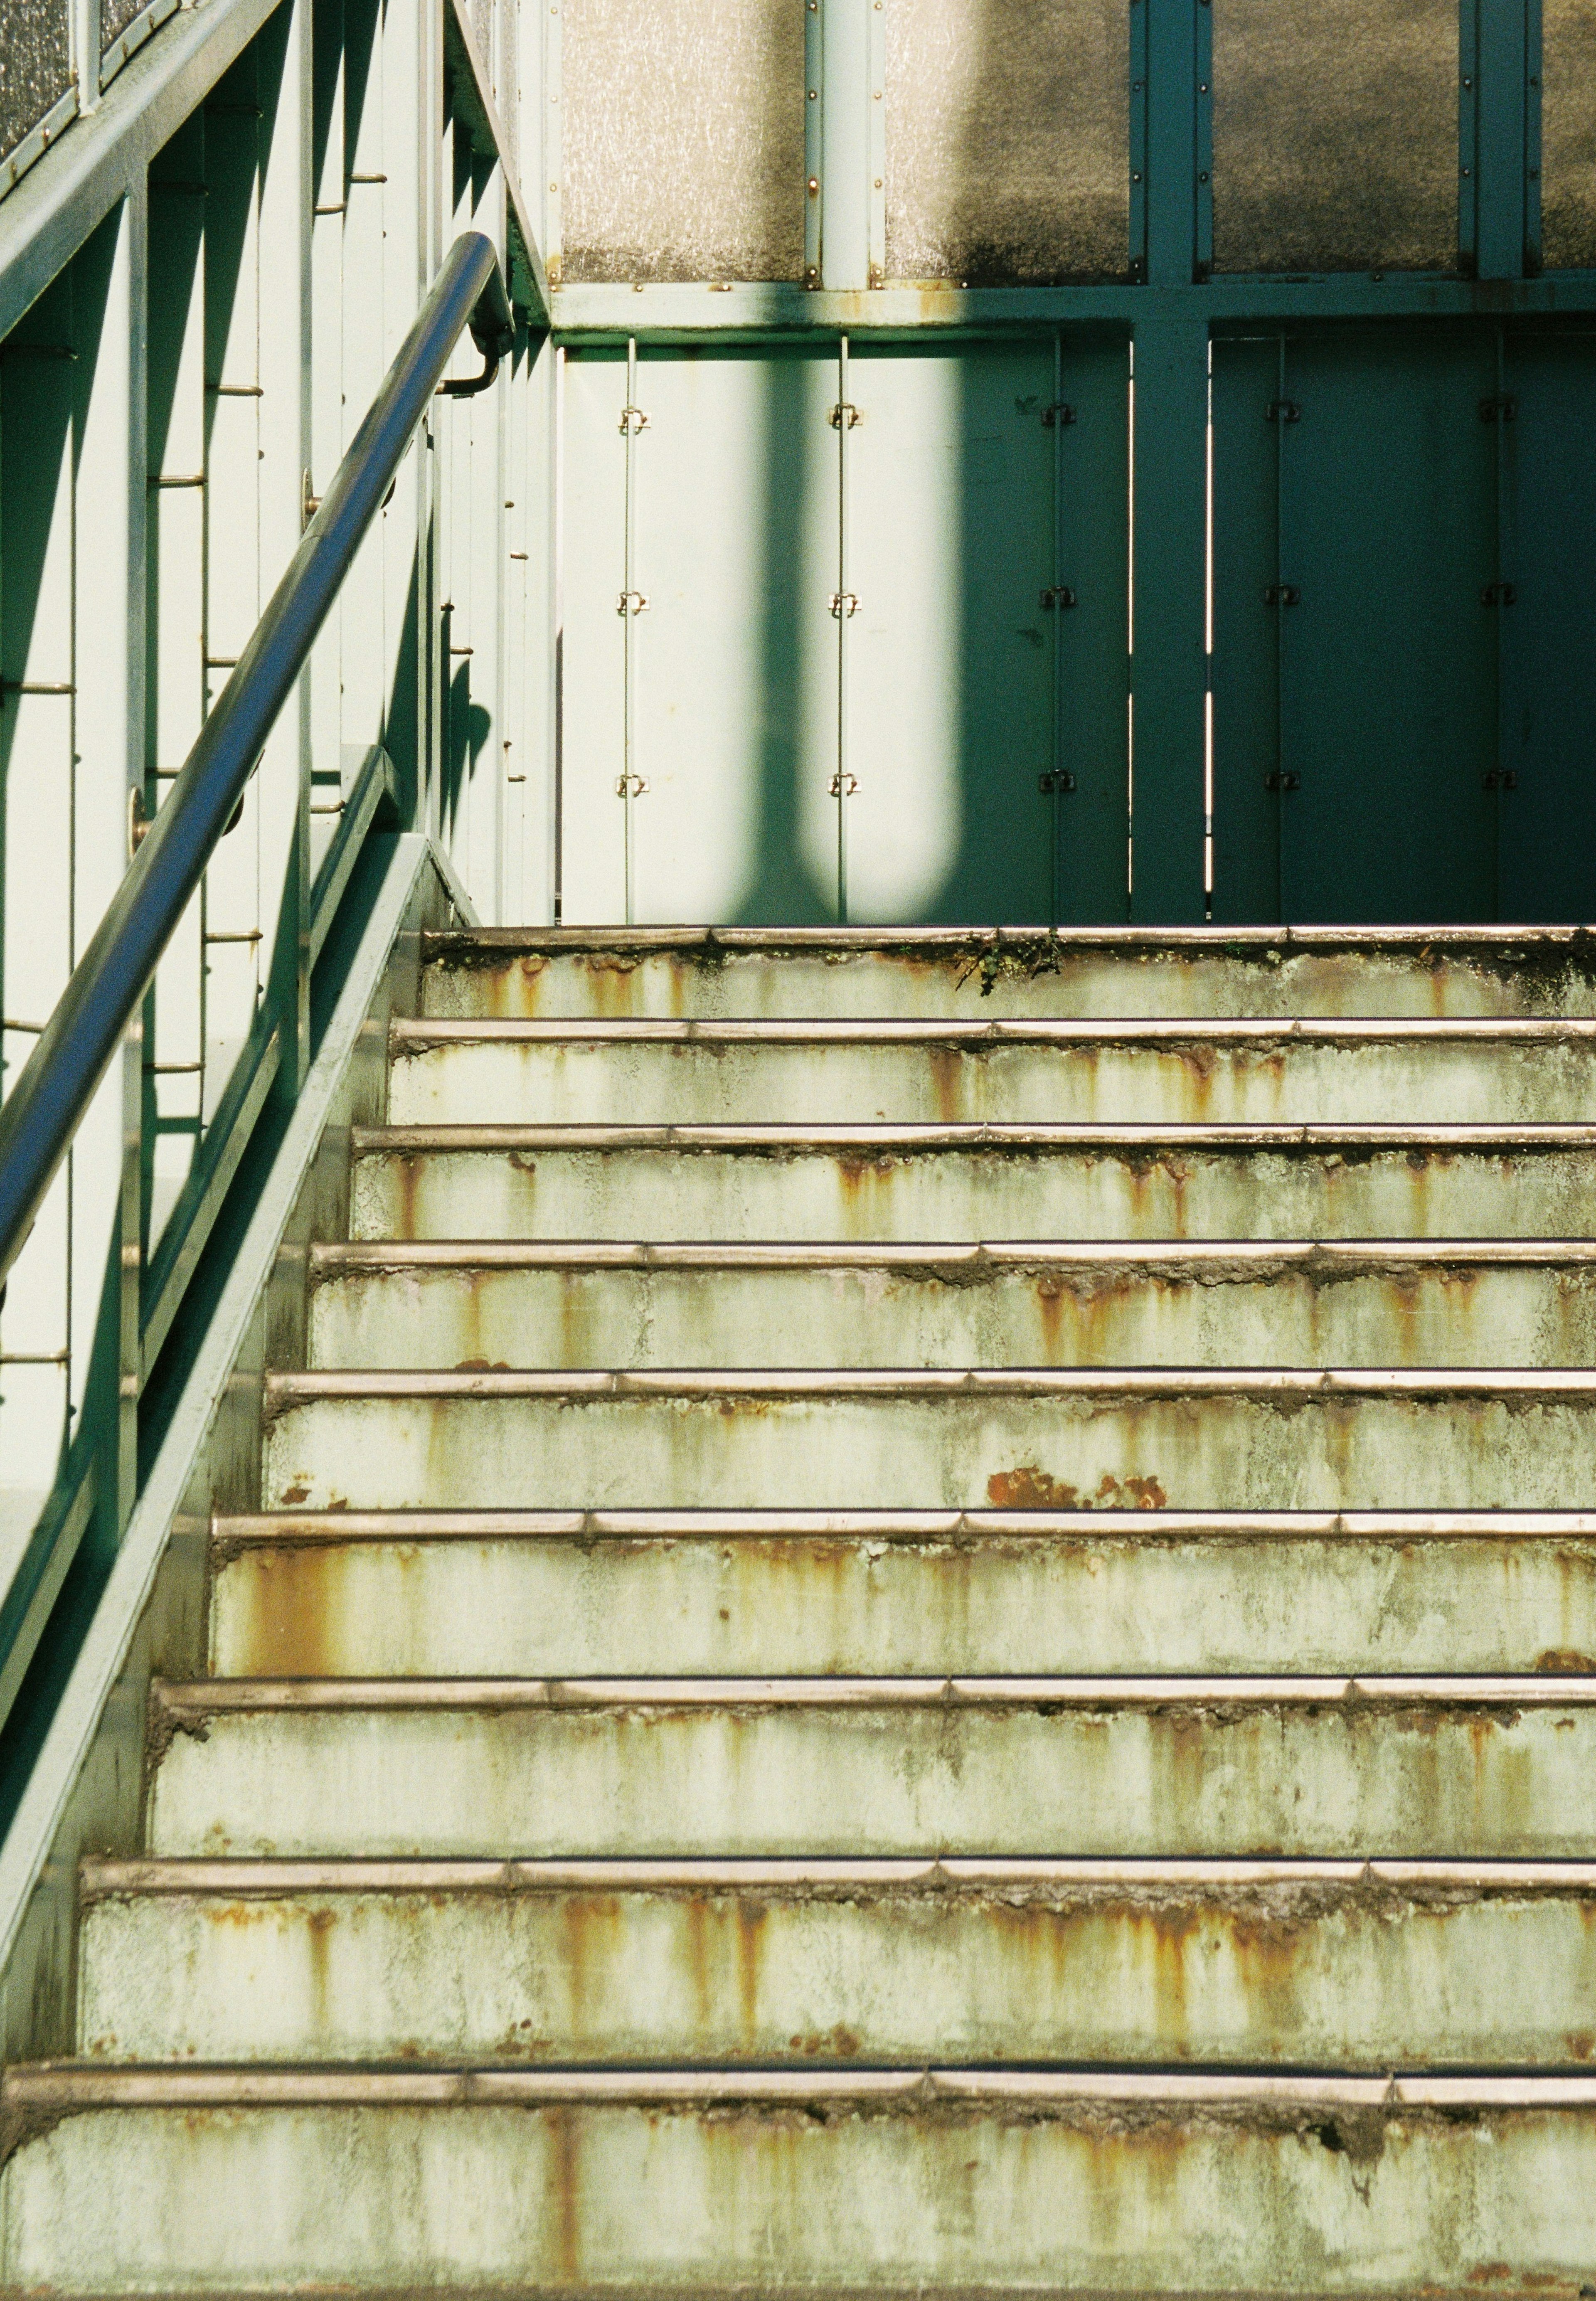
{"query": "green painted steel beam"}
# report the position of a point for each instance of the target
(1168, 593)
(681, 313)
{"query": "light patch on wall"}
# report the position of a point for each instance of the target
(1008, 130)
(683, 140)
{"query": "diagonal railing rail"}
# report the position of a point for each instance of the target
(39, 1118)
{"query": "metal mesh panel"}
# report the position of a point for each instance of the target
(36, 64)
(115, 16)
(1335, 135)
(683, 140)
(1568, 132)
(1007, 129)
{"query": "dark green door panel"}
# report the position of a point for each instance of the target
(1549, 634)
(1384, 629)
(1245, 802)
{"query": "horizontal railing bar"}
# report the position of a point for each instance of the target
(40, 1116)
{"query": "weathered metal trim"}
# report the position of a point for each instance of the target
(989, 1134)
(411, 1037)
(255, 1880)
(66, 2088)
(1282, 1383)
(274, 1529)
(202, 1698)
(1205, 1258)
(485, 946)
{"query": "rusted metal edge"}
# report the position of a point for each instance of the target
(1221, 942)
(175, 1703)
(413, 1035)
(63, 2088)
(285, 1391)
(247, 1529)
(1243, 1257)
(899, 1140)
(101, 1877)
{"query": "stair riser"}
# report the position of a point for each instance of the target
(641, 2202)
(669, 986)
(1127, 1601)
(872, 1318)
(956, 1452)
(1326, 1977)
(627, 1083)
(957, 1194)
(1342, 1779)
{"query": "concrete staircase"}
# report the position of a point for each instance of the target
(924, 1624)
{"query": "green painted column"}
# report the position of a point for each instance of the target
(1169, 451)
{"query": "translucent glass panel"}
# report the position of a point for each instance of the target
(1335, 135)
(1568, 132)
(683, 140)
(1008, 139)
(36, 64)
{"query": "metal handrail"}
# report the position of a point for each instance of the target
(41, 1115)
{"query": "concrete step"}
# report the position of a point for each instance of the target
(793, 2183)
(532, 1594)
(916, 1184)
(1343, 1965)
(1444, 1768)
(1194, 1439)
(1511, 1070)
(932, 974)
(586, 1304)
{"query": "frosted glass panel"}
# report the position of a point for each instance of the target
(1335, 135)
(683, 140)
(36, 64)
(1008, 139)
(1568, 132)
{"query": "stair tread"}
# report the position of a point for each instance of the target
(249, 1877)
(409, 1034)
(196, 1698)
(249, 1527)
(287, 1389)
(334, 1258)
(976, 1134)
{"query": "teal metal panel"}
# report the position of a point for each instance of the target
(1388, 669)
(1093, 480)
(1548, 634)
(1168, 667)
(1245, 664)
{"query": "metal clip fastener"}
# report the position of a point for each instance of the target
(138, 821)
(1498, 595)
(1500, 779)
(835, 784)
(1276, 780)
(1282, 411)
(1059, 414)
(1282, 595)
(1058, 595)
(633, 419)
(844, 603)
(1060, 780)
(633, 603)
(844, 407)
(639, 784)
(1500, 407)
